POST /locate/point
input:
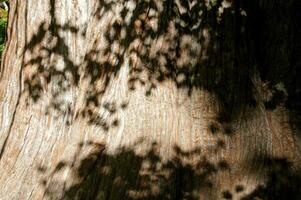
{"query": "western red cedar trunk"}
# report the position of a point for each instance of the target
(149, 100)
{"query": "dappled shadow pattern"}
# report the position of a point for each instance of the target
(219, 46)
(194, 44)
(282, 180)
(42, 63)
(51, 69)
(128, 175)
(187, 175)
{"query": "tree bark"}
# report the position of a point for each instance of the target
(99, 101)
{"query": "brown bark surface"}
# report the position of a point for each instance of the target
(118, 100)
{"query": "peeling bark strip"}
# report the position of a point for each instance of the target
(17, 98)
(19, 81)
(150, 100)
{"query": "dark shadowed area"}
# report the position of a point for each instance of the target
(189, 174)
(282, 180)
(128, 175)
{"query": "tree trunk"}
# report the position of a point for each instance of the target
(149, 100)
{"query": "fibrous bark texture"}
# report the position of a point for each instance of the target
(134, 99)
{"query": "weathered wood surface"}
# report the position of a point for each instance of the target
(47, 128)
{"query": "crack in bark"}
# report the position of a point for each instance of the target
(20, 86)
(13, 118)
